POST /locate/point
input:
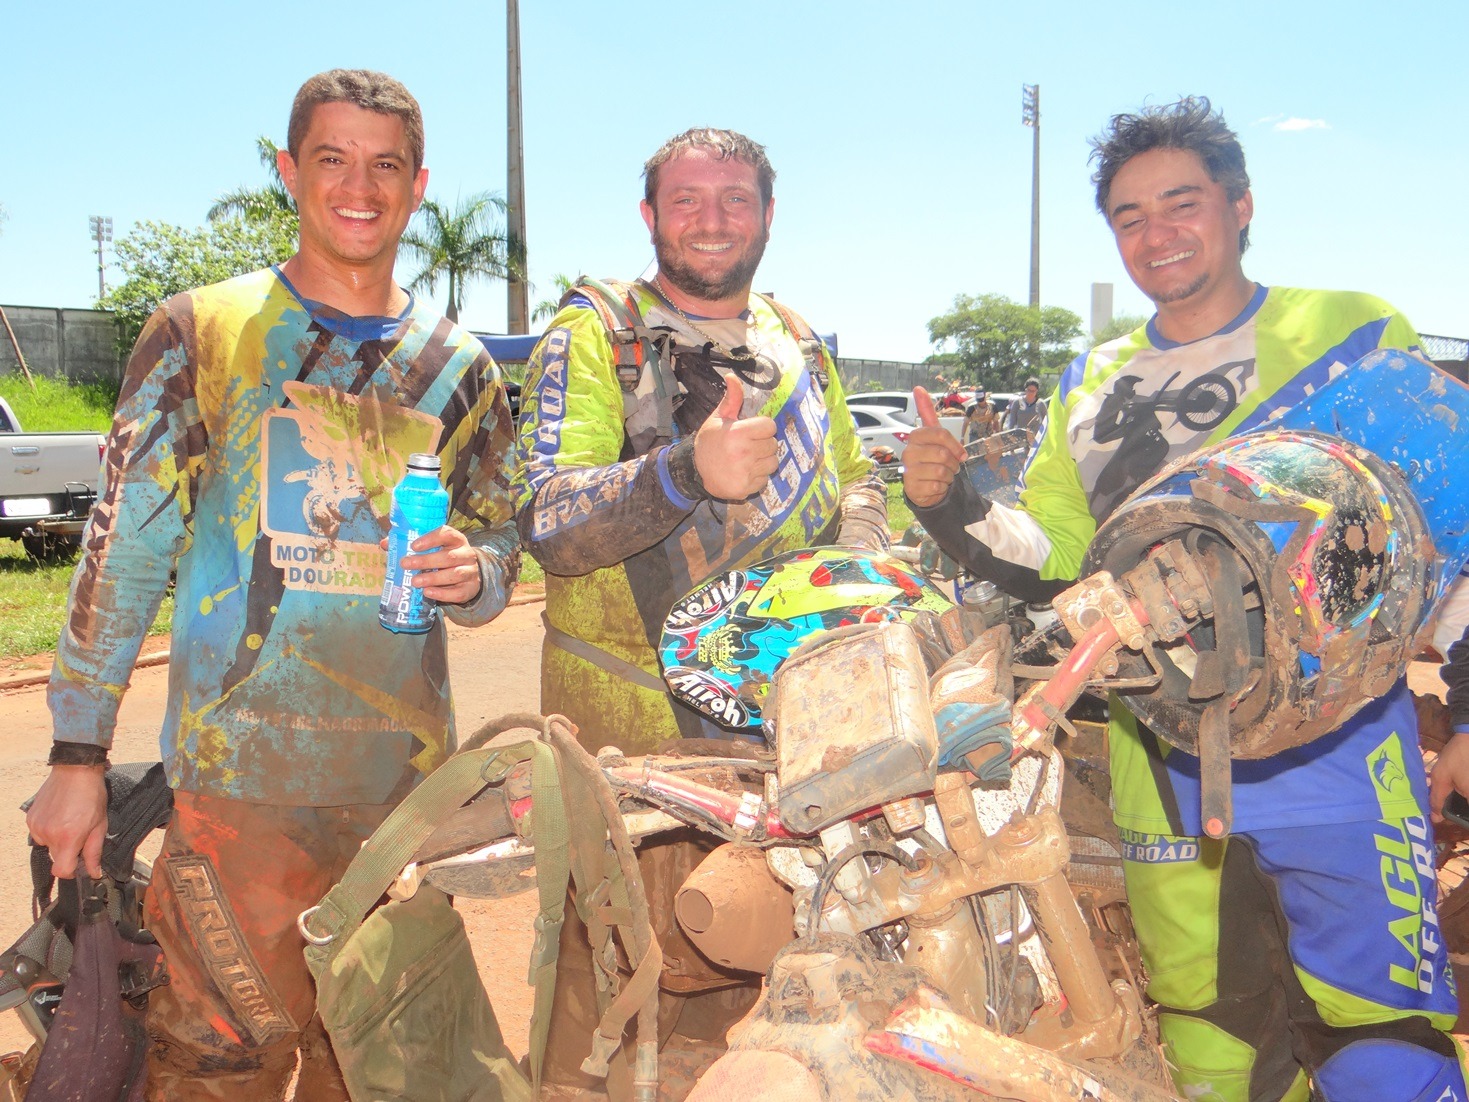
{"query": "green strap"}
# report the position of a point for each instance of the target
(552, 835)
(613, 303)
(393, 844)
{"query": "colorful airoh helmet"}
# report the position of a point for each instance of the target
(1329, 564)
(724, 641)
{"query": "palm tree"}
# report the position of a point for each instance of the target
(462, 242)
(261, 204)
(546, 309)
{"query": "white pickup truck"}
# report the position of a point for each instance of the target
(48, 482)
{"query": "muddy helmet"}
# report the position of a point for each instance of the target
(1322, 563)
(723, 642)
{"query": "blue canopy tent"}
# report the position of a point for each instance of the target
(515, 348)
(511, 348)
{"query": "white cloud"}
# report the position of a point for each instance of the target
(1302, 124)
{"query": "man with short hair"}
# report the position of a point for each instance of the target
(725, 442)
(260, 429)
(1027, 411)
(1303, 946)
(629, 508)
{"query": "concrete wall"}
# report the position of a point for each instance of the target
(80, 345)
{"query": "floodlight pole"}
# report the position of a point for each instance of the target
(101, 226)
(1030, 115)
(517, 310)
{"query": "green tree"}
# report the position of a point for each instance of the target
(460, 244)
(991, 341)
(271, 203)
(1119, 326)
(159, 260)
(546, 309)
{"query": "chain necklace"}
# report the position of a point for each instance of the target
(740, 353)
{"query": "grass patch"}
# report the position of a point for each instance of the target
(59, 406)
(33, 594)
(899, 515)
(33, 603)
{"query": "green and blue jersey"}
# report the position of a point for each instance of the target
(621, 539)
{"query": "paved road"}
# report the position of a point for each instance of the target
(493, 670)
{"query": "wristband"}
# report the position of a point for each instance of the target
(682, 471)
(76, 753)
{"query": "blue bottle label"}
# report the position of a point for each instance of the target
(420, 505)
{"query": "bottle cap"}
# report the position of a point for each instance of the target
(423, 461)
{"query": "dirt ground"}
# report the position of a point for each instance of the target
(494, 670)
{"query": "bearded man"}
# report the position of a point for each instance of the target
(673, 428)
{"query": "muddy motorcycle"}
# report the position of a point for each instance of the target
(935, 913)
(902, 856)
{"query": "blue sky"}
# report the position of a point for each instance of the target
(903, 168)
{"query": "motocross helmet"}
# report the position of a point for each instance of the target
(1320, 561)
(723, 642)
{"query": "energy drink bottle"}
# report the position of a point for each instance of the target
(420, 504)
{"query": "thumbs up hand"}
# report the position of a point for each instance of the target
(932, 456)
(734, 455)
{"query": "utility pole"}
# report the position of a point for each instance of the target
(102, 234)
(1030, 115)
(517, 310)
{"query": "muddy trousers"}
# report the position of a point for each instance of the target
(227, 888)
(1292, 960)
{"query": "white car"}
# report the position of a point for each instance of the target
(877, 426)
(898, 403)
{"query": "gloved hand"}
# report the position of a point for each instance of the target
(971, 696)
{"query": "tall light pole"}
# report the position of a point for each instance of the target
(1030, 115)
(102, 234)
(517, 309)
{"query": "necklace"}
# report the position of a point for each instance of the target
(740, 353)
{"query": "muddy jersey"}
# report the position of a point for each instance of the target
(605, 502)
(256, 444)
(1124, 410)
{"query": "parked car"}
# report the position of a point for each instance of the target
(48, 483)
(898, 403)
(1002, 400)
(901, 402)
(879, 427)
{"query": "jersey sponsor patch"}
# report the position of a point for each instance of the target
(331, 460)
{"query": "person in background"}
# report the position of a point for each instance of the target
(980, 419)
(1027, 412)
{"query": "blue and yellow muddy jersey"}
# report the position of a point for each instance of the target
(1123, 411)
(619, 541)
(256, 444)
